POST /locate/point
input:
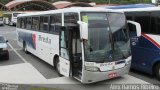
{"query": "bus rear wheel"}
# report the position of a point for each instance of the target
(158, 71)
(57, 66)
(25, 48)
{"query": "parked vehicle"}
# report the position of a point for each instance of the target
(4, 54)
(145, 49)
(10, 18)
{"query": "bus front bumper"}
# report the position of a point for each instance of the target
(90, 77)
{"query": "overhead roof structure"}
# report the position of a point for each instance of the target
(65, 4)
(2, 7)
(61, 2)
(29, 5)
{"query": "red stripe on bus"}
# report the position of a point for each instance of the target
(150, 39)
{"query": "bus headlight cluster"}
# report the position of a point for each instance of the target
(91, 68)
(128, 62)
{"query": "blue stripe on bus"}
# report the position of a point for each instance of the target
(130, 6)
(29, 38)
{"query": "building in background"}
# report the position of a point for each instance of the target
(29, 5)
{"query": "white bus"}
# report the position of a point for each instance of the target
(10, 18)
(89, 44)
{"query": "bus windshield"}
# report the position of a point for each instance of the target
(120, 35)
(104, 44)
(16, 14)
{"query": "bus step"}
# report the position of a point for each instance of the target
(78, 77)
(79, 72)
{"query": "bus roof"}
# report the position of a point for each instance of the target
(11, 12)
(72, 9)
(130, 6)
(147, 9)
(135, 7)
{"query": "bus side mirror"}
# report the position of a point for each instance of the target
(83, 29)
(137, 27)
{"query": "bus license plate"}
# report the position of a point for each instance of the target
(112, 75)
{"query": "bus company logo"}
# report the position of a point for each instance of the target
(34, 40)
(106, 64)
(44, 39)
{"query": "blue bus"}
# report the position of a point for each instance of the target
(130, 6)
(145, 49)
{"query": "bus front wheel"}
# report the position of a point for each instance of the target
(158, 71)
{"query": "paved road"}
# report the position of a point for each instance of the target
(10, 33)
(45, 69)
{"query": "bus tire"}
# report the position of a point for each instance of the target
(25, 48)
(158, 71)
(57, 66)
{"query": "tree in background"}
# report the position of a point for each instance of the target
(5, 1)
(98, 1)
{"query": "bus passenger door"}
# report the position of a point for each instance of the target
(64, 54)
(135, 33)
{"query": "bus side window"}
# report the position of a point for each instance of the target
(155, 22)
(144, 21)
(70, 19)
(44, 25)
(52, 24)
(132, 30)
(18, 22)
(35, 23)
(23, 23)
(55, 23)
(28, 23)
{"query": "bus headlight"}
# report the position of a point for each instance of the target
(91, 68)
(128, 62)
